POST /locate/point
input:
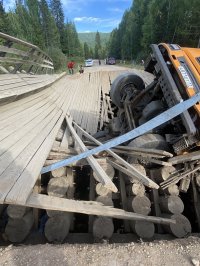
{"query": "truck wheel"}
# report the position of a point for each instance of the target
(124, 83)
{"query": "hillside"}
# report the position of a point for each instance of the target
(89, 38)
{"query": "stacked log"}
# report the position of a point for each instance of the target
(103, 227)
(171, 205)
(109, 170)
(141, 205)
(58, 224)
(138, 202)
(20, 223)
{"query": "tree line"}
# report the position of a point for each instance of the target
(155, 21)
(43, 23)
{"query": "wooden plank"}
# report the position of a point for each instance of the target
(124, 200)
(12, 51)
(89, 207)
(105, 180)
(13, 124)
(22, 189)
(14, 145)
(9, 177)
(192, 156)
(91, 198)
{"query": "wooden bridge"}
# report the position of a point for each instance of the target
(33, 106)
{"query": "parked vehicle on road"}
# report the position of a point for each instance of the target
(110, 61)
(89, 62)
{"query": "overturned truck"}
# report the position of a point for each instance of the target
(177, 78)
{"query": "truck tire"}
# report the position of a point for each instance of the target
(121, 83)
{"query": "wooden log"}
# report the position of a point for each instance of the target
(17, 212)
(155, 206)
(143, 229)
(18, 229)
(172, 190)
(109, 170)
(184, 185)
(62, 171)
(181, 228)
(103, 228)
(58, 186)
(134, 174)
(141, 205)
(105, 200)
(124, 201)
(57, 227)
(163, 173)
(140, 168)
(135, 189)
(171, 204)
(102, 190)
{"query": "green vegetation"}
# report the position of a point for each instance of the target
(89, 38)
(41, 22)
(155, 21)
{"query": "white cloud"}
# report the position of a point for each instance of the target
(104, 22)
(115, 9)
(87, 19)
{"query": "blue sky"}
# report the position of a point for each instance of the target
(91, 15)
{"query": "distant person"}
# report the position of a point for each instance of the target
(81, 69)
(99, 62)
(70, 66)
(142, 62)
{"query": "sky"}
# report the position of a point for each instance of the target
(91, 15)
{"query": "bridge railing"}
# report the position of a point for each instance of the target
(17, 56)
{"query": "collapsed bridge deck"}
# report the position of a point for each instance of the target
(31, 113)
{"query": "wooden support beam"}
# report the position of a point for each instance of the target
(89, 207)
(124, 201)
(103, 177)
(134, 172)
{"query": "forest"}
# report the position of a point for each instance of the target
(155, 21)
(42, 22)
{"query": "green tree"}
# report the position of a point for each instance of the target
(97, 49)
(58, 14)
(72, 44)
(50, 30)
(4, 25)
(86, 50)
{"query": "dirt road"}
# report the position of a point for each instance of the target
(158, 252)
